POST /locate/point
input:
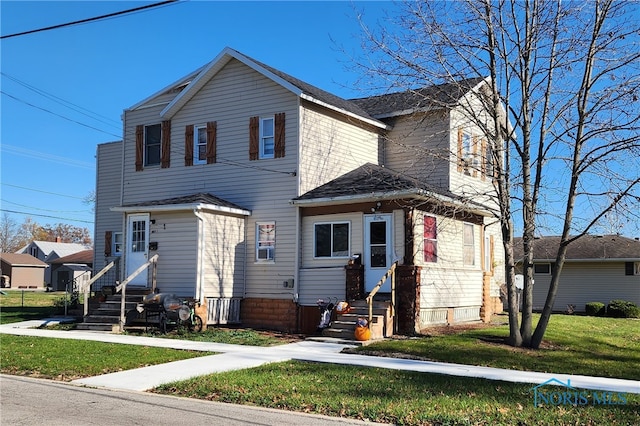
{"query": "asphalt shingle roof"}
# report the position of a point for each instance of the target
(367, 179)
(439, 96)
(84, 256)
(595, 247)
(200, 198)
(20, 259)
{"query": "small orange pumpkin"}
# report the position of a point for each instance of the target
(362, 333)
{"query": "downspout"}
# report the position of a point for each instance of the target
(200, 281)
(244, 264)
(122, 264)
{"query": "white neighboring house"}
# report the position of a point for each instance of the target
(48, 251)
(598, 268)
(258, 190)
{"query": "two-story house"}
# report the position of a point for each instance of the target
(261, 194)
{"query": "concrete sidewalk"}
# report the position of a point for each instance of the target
(233, 357)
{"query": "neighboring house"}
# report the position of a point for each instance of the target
(48, 251)
(261, 194)
(23, 270)
(598, 268)
(70, 272)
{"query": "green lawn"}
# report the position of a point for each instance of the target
(18, 305)
(592, 346)
(398, 397)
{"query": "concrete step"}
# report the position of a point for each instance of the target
(96, 326)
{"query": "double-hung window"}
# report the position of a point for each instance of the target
(267, 137)
(430, 239)
(152, 141)
(469, 254)
(118, 242)
(265, 241)
(331, 240)
(200, 145)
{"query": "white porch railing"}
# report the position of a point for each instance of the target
(123, 285)
(87, 286)
(390, 273)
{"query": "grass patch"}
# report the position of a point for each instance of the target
(18, 305)
(67, 359)
(593, 346)
(404, 398)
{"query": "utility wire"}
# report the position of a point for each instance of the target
(44, 192)
(46, 210)
(93, 115)
(44, 215)
(83, 21)
(59, 115)
(46, 156)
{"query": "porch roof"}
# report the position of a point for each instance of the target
(371, 182)
(200, 201)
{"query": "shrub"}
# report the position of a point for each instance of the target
(595, 309)
(623, 309)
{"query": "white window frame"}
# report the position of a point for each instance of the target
(333, 254)
(117, 244)
(466, 244)
(433, 240)
(266, 247)
(197, 144)
(547, 264)
(264, 137)
(146, 146)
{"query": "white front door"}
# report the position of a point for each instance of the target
(137, 247)
(378, 249)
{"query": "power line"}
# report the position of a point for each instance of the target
(97, 18)
(46, 210)
(44, 215)
(63, 102)
(45, 156)
(58, 115)
(44, 192)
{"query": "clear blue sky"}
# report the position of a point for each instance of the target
(64, 90)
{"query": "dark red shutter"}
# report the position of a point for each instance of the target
(212, 128)
(254, 136)
(188, 145)
(278, 146)
(107, 243)
(139, 147)
(165, 150)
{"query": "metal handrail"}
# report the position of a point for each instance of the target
(390, 273)
(86, 286)
(123, 285)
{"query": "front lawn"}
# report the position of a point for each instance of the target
(573, 344)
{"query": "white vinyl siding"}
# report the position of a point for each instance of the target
(108, 185)
(584, 282)
(230, 98)
(419, 147)
(331, 147)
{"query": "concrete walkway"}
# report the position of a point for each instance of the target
(233, 357)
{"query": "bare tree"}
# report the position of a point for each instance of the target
(560, 111)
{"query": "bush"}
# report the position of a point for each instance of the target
(623, 309)
(595, 309)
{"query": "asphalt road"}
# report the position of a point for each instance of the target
(27, 401)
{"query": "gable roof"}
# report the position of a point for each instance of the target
(21, 259)
(586, 248)
(445, 95)
(200, 201)
(59, 249)
(193, 82)
(371, 182)
(84, 256)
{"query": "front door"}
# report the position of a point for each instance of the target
(137, 247)
(378, 249)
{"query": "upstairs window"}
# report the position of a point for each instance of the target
(331, 240)
(267, 137)
(468, 161)
(265, 241)
(152, 140)
(430, 239)
(200, 147)
(542, 268)
(632, 268)
(118, 242)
